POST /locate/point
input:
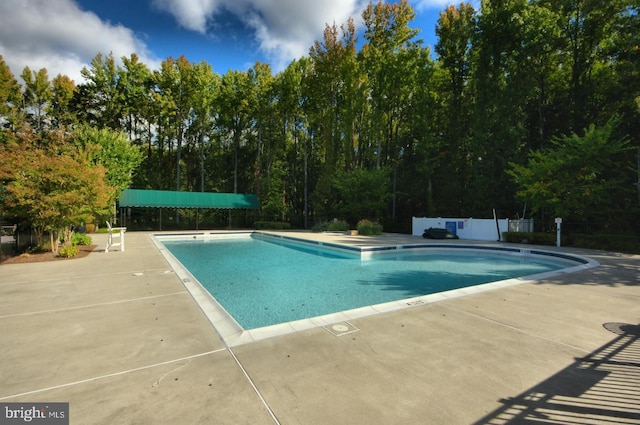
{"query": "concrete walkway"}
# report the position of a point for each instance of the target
(119, 337)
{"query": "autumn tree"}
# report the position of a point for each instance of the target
(60, 110)
(51, 185)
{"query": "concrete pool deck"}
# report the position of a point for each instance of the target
(118, 336)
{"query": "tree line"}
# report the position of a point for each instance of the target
(528, 107)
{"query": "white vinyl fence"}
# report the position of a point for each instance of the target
(465, 228)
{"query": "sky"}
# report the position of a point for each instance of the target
(64, 35)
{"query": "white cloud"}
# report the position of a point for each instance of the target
(190, 14)
(284, 29)
(422, 5)
(59, 36)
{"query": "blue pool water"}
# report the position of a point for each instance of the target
(262, 283)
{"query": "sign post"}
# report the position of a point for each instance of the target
(558, 225)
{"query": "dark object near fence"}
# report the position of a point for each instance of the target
(435, 233)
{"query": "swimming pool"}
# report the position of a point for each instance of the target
(263, 280)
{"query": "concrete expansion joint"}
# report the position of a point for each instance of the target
(114, 374)
(255, 388)
(85, 306)
(92, 276)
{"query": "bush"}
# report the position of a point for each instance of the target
(39, 249)
(80, 239)
(620, 243)
(68, 251)
(368, 228)
(337, 226)
(331, 226)
(319, 227)
(535, 238)
(272, 225)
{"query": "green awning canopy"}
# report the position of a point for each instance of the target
(173, 199)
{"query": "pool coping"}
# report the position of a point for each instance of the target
(233, 334)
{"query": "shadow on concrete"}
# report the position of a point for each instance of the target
(601, 388)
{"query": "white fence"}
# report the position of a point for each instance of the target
(465, 228)
(521, 225)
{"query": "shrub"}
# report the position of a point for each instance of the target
(331, 226)
(319, 227)
(39, 249)
(80, 239)
(272, 225)
(622, 243)
(68, 251)
(368, 228)
(337, 226)
(536, 238)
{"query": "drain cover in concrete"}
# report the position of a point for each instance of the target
(342, 328)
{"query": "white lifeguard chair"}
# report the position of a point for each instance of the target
(115, 232)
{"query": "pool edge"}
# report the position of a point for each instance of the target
(233, 334)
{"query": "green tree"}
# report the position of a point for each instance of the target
(237, 105)
(394, 62)
(206, 86)
(586, 27)
(290, 109)
(268, 146)
(389, 60)
(334, 101)
(275, 202)
(37, 96)
(135, 87)
(456, 31)
(579, 177)
(362, 194)
(9, 96)
(111, 150)
(99, 100)
(498, 127)
(540, 72)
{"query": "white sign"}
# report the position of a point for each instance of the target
(558, 220)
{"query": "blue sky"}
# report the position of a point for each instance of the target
(64, 35)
